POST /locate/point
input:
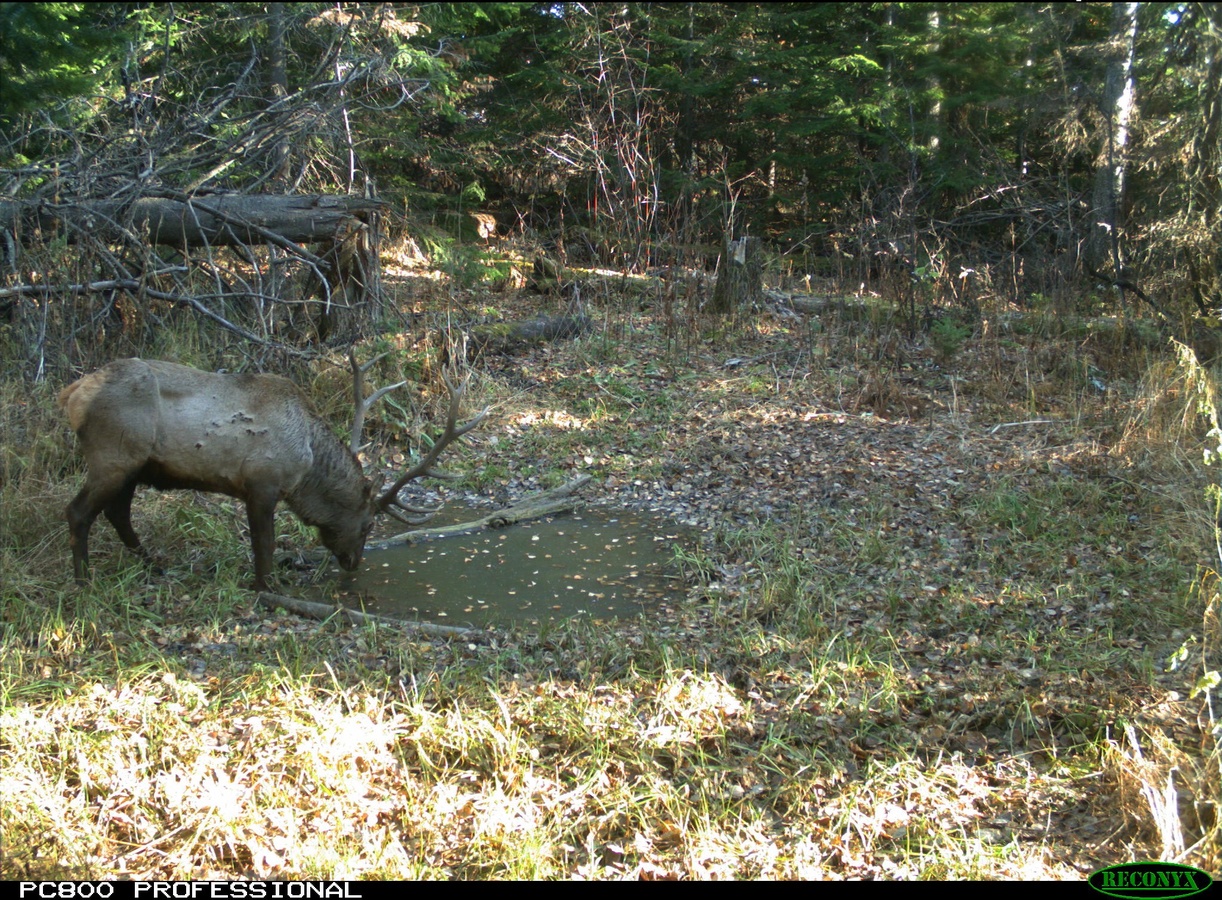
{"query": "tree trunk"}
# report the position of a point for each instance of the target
(1104, 247)
(1204, 255)
(933, 21)
(278, 83)
(740, 275)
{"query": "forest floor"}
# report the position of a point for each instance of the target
(942, 619)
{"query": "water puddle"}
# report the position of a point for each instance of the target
(595, 563)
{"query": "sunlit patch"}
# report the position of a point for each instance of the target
(554, 418)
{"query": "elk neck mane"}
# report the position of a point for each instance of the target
(333, 486)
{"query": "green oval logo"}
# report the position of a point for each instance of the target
(1143, 880)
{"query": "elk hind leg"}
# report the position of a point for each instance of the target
(119, 513)
(80, 513)
(110, 495)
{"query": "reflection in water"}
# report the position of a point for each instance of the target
(595, 563)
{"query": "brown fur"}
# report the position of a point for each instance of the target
(253, 437)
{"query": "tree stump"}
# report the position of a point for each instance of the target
(740, 275)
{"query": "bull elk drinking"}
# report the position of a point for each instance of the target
(253, 437)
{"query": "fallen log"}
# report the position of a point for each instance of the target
(817, 306)
(309, 609)
(536, 506)
(512, 337)
(182, 221)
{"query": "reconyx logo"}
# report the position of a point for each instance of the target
(1150, 880)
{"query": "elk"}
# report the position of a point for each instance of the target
(253, 437)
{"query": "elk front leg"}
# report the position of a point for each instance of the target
(261, 514)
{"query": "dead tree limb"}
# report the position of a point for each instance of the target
(536, 506)
(322, 611)
(183, 221)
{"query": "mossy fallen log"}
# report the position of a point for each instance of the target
(508, 338)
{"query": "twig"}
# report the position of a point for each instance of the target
(135, 287)
(323, 611)
(996, 428)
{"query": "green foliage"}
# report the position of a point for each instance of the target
(827, 128)
(948, 337)
(473, 193)
(466, 264)
(50, 53)
(648, 118)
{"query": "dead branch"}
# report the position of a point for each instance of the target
(310, 610)
(536, 506)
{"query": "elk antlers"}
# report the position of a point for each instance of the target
(359, 403)
(388, 502)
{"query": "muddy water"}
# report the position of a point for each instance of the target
(597, 563)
